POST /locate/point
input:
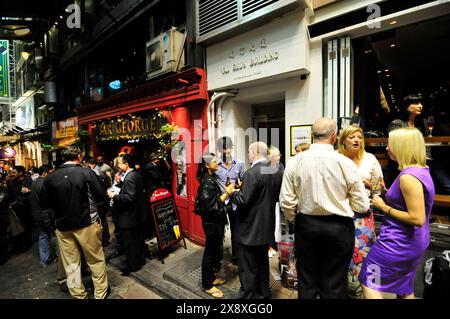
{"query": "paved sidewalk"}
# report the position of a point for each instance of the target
(180, 275)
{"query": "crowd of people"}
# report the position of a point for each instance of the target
(328, 196)
(67, 210)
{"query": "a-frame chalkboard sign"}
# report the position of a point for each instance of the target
(167, 222)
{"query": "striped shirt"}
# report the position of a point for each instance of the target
(322, 182)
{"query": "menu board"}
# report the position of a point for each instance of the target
(167, 224)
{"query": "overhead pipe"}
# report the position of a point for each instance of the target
(211, 118)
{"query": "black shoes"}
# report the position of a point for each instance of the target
(126, 271)
(114, 255)
(63, 285)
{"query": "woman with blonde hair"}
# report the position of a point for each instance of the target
(274, 157)
(391, 264)
(351, 144)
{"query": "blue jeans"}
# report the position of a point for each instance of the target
(45, 244)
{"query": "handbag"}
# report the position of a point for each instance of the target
(15, 226)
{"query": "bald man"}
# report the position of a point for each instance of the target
(321, 189)
(255, 222)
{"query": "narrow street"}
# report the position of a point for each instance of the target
(23, 278)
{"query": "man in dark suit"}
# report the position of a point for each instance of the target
(255, 222)
(153, 180)
(128, 206)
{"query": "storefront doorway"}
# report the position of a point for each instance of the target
(269, 122)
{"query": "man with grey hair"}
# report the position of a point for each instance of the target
(320, 191)
(255, 222)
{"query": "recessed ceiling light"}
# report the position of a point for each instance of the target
(393, 22)
(387, 70)
(392, 45)
(378, 71)
(387, 75)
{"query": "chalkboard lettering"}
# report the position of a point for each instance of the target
(166, 221)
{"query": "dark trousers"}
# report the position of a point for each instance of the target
(102, 212)
(324, 247)
(118, 235)
(234, 246)
(253, 272)
(23, 241)
(133, 247)
(213, 253)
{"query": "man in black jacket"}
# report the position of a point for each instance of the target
(255, 222)
(42, 218)
(19, 187)
(128, 206)
(72, 191)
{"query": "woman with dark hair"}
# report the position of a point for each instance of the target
(411, 114)
(411, 117)
(436, 157)
(210, 205)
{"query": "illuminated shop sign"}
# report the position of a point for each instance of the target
(131, 127)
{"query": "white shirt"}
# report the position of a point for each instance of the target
(370, 169)
(322, 182)
(259, 161)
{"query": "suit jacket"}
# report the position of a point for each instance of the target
(152, 178)
(129, 204)
(255, 215)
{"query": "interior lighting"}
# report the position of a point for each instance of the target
(393, 22)
(393, 45)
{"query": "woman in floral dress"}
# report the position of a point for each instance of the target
(351, 144)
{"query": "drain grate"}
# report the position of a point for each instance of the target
(196, 273)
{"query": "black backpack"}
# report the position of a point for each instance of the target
(437, 277)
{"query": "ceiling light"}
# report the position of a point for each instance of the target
(61, 17)
(392, 45)
(393, 22)
(378, 71)
(387, 70)
(387, 75)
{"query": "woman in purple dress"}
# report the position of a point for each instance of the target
(391, 264)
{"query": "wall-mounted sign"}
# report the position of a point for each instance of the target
(130, 128)
(4, 68)
(275, 49)
(65, 129)
(300, 134)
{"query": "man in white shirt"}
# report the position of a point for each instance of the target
(320, 191)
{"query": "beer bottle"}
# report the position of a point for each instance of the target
(238, 184)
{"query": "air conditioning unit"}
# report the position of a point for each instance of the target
(165, 53)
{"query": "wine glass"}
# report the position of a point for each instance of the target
(430, 124)
(376, 185)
